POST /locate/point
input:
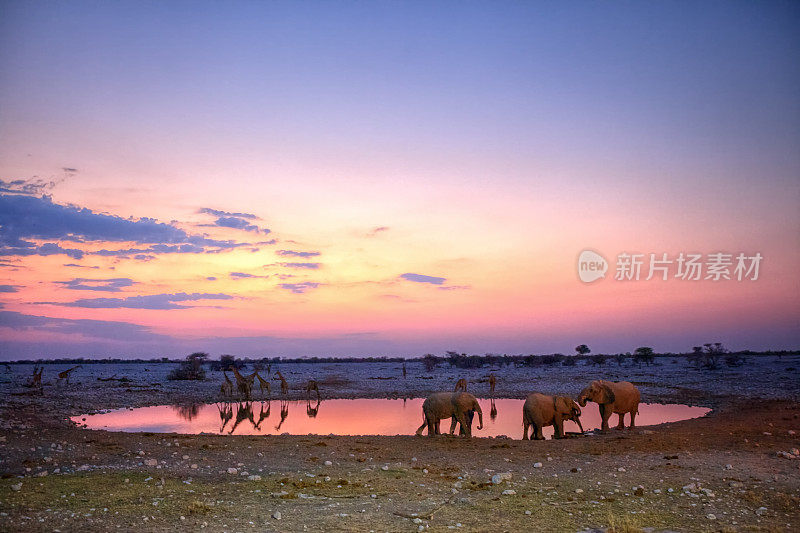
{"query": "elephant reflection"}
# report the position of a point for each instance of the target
(312, 411)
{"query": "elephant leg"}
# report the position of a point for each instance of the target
(525, 426)
(633, 417)
(621, 424)
(538, 429)
(605, 414)
(466, 427)
(558, 424)
(453, 425)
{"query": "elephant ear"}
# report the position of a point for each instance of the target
(606, 394)
(564, 405)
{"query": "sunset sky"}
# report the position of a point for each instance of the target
(321, 178)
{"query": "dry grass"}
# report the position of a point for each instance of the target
(624, 524)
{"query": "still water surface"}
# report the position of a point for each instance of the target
(346, 417)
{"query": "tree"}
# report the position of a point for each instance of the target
(582, 349)
(191, 368)
(430, 361)
(643, 354)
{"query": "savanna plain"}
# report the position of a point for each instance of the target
(735, 469)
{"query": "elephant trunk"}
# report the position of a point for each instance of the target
(582, 398)
(578, 420)
(480, 415)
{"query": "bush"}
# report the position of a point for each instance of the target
(191, 368)
(552, 359)
(569, 361)
(621, 357)
(430, 361)
(598, 359)
(734, 359)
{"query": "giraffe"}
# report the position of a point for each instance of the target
(245, 384)
(262, 383)
(284, 385)
(492, 382)
(404, 369)
(312, 386)
(65, 374)
(36, 379)
(461, 384)
(226, 389)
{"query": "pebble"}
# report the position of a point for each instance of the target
(499, 478)
(385, 467)
(537, 465)
(509, 492)
(578, 491)
(711, 516)
(528, 513)
(761, 511)
(621, 469)
(276, 515)
(254, 477)
(17, 487)
(328, 463)
(232, 470)
(150, 462)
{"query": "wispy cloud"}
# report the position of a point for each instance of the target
(293, 253)
(244, 275)
(377, 230)
(9, 288)
(152, 301)
(299, 288)
(420, 278)
(312, 266)
(104, 285)
(218, 213)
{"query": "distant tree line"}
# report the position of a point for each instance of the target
(707, 356)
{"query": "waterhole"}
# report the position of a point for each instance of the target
(346, 417)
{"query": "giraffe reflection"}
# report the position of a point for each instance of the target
(284, 413)
(492, 410)
(244, 411)
(225, 414)
(262, 415)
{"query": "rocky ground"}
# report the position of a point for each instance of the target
(734, 470)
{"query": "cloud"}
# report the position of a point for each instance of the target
(244, 275)
(293, 253)
(152, 301)
(313, 266)
(299, 288)
(375, 231)
(117, 331)
(26, 186)
(75, 265)
(27, 217)
(9, 288)
(211, 278)
(218, 213)
(454, 287)
(420, 278)
(105, 285)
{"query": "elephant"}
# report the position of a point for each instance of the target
(612, 397)
(459, 407)
(540, 410)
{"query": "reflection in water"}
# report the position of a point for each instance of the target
(345, 417)
(284, 414)
(262, 415)
(187, 411)
(225, 414)
(312, 412)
